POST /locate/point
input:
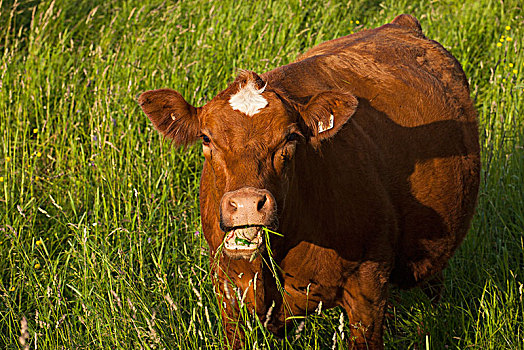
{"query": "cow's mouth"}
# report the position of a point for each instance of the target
(243, 241)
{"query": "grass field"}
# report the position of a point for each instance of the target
(99, 220)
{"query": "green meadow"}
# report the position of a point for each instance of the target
(100, 243)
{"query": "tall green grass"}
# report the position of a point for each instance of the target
(100, 244)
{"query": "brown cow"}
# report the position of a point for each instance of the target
(363, 154)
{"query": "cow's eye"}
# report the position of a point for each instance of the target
(285, 156)
(206, 140)
(293, 137)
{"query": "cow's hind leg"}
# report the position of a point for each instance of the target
(365, 298)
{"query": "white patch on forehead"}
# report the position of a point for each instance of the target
(248, 99)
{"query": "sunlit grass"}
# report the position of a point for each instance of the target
(100, 239)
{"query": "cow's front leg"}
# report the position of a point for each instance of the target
(238, 286)
(234, 334)
(230, 299)
(365, 298)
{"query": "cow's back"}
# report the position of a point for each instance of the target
(414, 105)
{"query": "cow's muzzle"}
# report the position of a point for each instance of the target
(243, 214)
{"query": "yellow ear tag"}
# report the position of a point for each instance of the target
(322, 128)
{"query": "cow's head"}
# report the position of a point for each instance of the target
(250, 133)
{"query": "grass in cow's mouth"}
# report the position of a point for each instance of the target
(232, 236)
(109, 214)
(242, 241)
(243, 238)
(268, 231)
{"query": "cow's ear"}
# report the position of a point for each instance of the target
(326, 113)
(171, 115)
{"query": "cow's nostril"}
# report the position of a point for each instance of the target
(261, 203)
(233, 205)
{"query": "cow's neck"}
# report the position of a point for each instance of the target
(317, 190)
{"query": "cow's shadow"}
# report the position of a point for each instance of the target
(454, 140)
(447, 139)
